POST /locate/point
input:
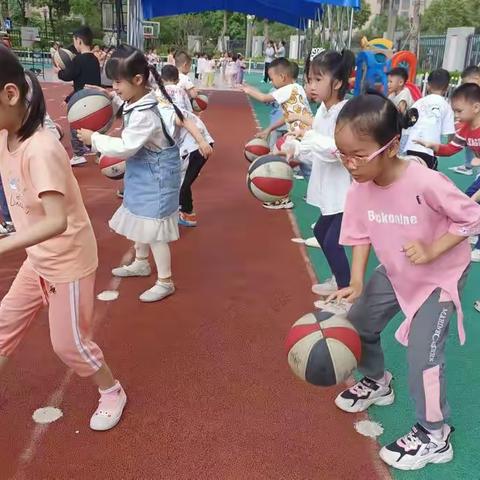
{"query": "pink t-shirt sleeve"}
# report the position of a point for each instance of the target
(463, 213)
(354, 231)
(48, 167)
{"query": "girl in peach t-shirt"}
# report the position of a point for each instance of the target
(53, 226)
(418, 223)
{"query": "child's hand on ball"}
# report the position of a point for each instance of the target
(85, 136)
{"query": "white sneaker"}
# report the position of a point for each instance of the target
(418, 448)
(286, 203)
(312, 242)
(158, 292)
(76, 161)
(473, 239)
(139, 268)
(339, 307)
(312, 226)
(462, 169)
(364, 393)
(476, 255)
(326, 288)
(110, 408)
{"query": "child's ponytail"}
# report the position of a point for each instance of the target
(161, 85)
(36, 108)
(31, 94)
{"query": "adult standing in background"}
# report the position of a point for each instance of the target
(171, 57)
(281, 51)
(269, 58)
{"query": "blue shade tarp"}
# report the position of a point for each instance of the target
(289, 12)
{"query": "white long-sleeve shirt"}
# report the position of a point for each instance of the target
(144, 129)
(329, 180)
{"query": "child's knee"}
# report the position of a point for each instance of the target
(82, 358)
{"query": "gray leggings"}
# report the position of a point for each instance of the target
(426, 344)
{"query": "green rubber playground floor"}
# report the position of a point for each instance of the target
(463, 363)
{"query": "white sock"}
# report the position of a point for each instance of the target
(436, 434)
(115, 387)
(383, 381)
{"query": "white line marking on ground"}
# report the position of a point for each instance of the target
(57, 396)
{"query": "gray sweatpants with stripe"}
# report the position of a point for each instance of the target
(426, 344)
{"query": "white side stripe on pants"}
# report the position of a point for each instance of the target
(74, 316)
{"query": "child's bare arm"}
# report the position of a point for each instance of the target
(54, 223)
(257, 94)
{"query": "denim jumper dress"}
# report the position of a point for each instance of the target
(152, 179)
(151, 193)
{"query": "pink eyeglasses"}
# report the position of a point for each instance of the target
(357, 161)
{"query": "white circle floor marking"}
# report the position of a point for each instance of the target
(368, 428)
(47, 415)
(108, 295)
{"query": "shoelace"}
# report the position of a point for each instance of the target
(410, 441)
(362, 388)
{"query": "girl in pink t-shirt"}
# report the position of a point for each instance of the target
(418, 223)
(53, 226)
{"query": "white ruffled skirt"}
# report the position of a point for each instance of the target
(145, 230)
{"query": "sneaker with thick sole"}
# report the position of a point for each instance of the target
(364, 393)
(158, 292)
(462, 169)
(326, 288)
(110, 408)
(187, 219)
(286, 203)
(476, 255)
(77, 161)
(418, 448)
(138, 268)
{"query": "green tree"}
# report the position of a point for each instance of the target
(361, 17)
(444, 14)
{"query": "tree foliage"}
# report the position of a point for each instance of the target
(361, 17)
(444, 14)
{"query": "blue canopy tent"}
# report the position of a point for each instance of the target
(283, 11)
(296, 13)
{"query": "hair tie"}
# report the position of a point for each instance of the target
(29, 95)
(315, 52)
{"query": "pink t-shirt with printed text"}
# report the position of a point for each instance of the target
(422, 205)
(40, 165)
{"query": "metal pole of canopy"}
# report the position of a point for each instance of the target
(350, 30)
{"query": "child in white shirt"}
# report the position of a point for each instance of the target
(435, 118)
(398, 93)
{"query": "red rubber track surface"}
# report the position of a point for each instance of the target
(210, 393)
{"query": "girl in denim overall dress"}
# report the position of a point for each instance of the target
(149, 213)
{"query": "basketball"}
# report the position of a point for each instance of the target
(200, 103)
(112, 167)
(270, 178)
(256, 148)
(90, 109)
(323, 348)
(63, 58)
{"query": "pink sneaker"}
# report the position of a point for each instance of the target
(110, 408)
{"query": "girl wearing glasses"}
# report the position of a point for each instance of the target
(418, 223)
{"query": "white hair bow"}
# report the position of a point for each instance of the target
(315, 52)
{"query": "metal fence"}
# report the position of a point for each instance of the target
(473, 51)
(432, 49)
